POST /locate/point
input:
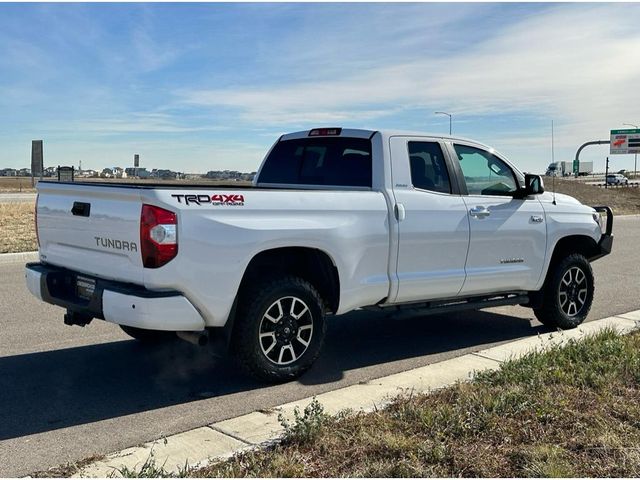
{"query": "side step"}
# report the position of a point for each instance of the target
(460, 304)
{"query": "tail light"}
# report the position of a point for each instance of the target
(158, 236)
(35, 220)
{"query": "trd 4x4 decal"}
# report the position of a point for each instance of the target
(232, 199)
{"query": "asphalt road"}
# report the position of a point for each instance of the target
(69, 392)
(17, 197)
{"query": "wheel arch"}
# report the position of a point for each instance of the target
(582, 244)
(311, 264)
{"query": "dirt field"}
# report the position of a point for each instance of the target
(623, 201)
(23, 184)
(15, 184)
(17, 229)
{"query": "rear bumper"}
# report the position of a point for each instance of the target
(116, 302)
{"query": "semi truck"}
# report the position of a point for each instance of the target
(564, 169)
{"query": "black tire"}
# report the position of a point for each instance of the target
(565, 305)
(254, 333)
(148, 336)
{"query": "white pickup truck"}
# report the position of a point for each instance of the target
(337, 220)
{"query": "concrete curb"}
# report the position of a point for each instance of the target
(221, 440)
(6, 258)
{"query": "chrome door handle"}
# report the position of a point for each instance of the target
(479, 212)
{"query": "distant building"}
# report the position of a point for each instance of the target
(119, 172)
(137, 172)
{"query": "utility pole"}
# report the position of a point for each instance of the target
(553, 157)
(635, 157)
(606, 174)
(447, 114)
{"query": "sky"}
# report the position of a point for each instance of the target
(198, 87)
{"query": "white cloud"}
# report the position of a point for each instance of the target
(576, 63)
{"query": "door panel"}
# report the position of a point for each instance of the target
(507, 244)
(507, 241)
(434, 233)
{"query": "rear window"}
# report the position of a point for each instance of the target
(334, 161)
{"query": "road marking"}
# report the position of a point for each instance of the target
(221, 440)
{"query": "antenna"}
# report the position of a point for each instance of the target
(555, 171)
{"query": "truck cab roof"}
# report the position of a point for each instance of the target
(365, 133)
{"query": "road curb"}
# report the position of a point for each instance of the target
(24, 257)
(220, 440)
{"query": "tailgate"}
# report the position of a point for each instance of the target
(94, 229)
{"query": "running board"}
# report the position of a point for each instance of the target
(458, 304)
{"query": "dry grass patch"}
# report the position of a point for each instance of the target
(15, 184)
(17, 228)
(623, 201)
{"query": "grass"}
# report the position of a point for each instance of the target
(68, 469)
(569, 412)
(623, 201)
(15, 185)
(17, 228)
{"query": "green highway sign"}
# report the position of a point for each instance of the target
(615, 132)
(625, 141)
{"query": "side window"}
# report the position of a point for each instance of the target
(484, 173)
(428, 169)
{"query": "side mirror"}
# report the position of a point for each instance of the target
(533, 185)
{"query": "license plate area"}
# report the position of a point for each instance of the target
(85, 287)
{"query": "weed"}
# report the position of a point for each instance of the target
(306, 426)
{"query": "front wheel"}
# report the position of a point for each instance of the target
(280, 328)
(567, 293)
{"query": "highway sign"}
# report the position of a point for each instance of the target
(625, 141)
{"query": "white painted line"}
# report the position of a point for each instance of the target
(221, 440)
(23, 257)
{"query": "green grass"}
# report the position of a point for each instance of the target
(571, 411)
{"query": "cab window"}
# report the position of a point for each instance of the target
(484, 173)
(428, 170)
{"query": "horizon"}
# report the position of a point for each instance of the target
(200, 87)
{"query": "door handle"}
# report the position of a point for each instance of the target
(479, 212)
(399, 211)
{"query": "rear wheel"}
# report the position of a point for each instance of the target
(567, 293)
(279, 329)
(147, 336)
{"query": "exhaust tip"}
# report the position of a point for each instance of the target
(200, 339)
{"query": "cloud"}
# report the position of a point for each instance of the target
(142, 123)
(578, 63)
